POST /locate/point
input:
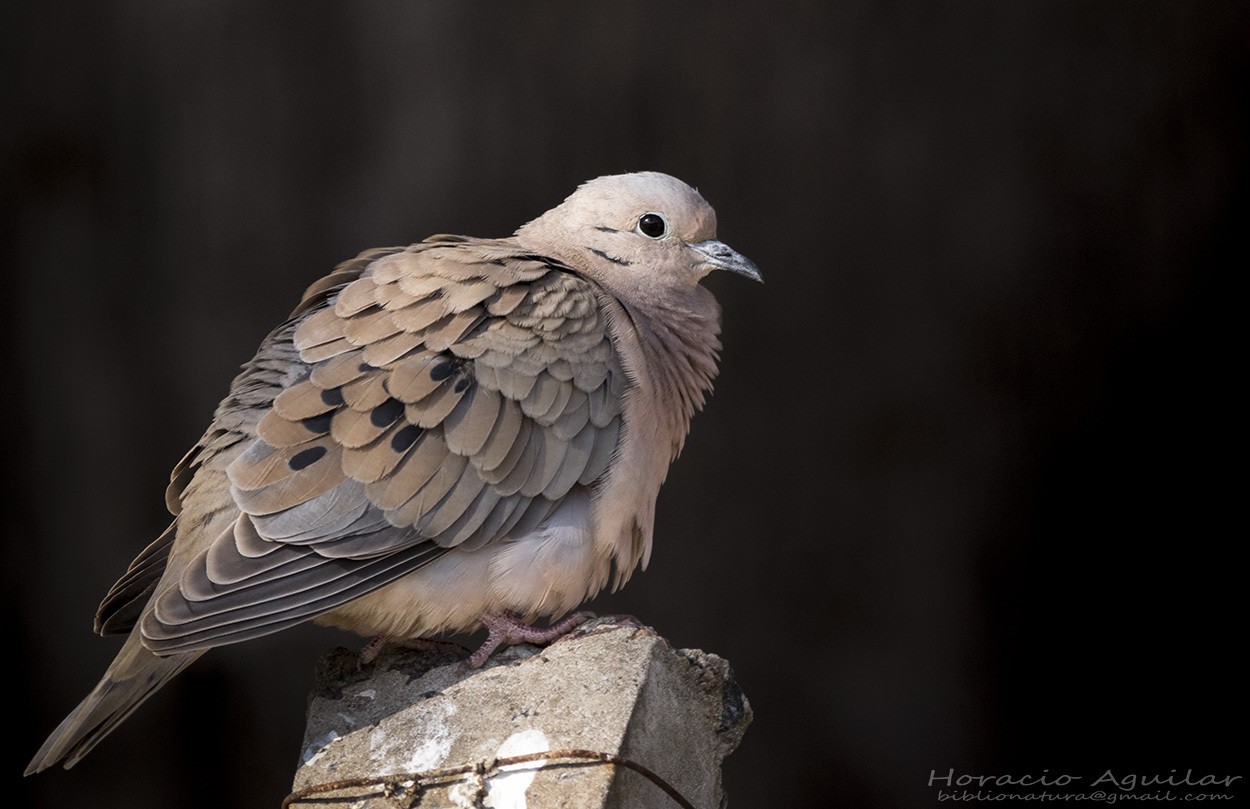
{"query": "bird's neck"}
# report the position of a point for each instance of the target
(677, 336)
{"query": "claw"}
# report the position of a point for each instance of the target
(506, 629)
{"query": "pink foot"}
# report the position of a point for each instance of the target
(370, 651)
(506, 629)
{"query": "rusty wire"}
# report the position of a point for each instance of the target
(392, 786)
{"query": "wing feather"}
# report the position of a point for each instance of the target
(469, 425)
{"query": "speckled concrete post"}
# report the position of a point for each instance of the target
(611, 688)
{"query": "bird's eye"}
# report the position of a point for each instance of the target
(652, 225)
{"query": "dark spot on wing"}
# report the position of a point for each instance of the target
(406, 437)
(386, 413)
(622, 262)
(443, 370)
(332, 397)
(306, 458)
(462, 383)
(318, 424)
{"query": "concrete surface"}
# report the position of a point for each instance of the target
(610, 687)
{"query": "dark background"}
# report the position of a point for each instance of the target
(967, 494)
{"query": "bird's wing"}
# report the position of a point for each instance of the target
(123, 605)
(255, 387)
(454, 393)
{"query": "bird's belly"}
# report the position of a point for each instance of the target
(546, 572)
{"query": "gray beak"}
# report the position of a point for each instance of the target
(721, 256)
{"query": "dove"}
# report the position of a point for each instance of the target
(463, 433)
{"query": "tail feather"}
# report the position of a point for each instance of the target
(135, 675)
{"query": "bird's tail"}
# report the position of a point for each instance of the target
(134, 675)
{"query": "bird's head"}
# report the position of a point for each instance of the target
(637, 231)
